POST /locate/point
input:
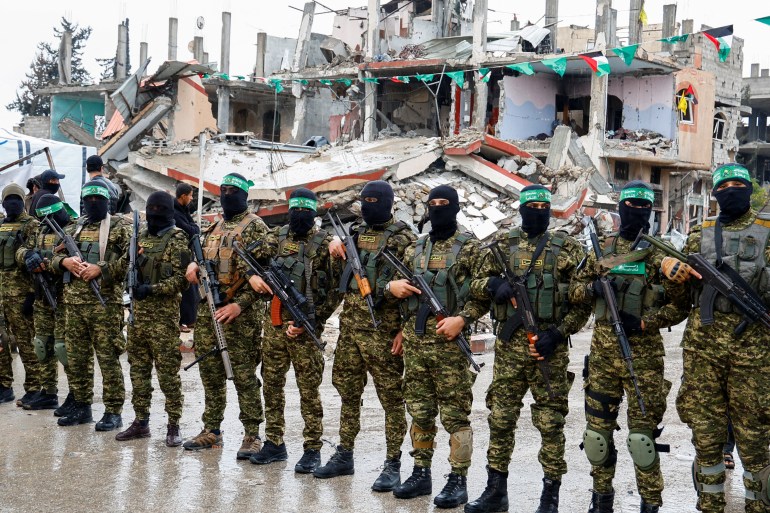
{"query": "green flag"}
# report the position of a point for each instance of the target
(626, 53)
(458, 77)
(301, 81)
(425, 78)
(675, 39)
(275, 83)
(326, 82)
(525, 68)
(485, 74)
(765, 20)
(345, 81)
(371, 80)
(559, 65)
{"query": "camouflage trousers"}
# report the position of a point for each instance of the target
(91, 327)
(607, 380)
(278, 353)
(49, 327)
(717, 388)
(154, 339)
(437, 380)
(21, 327)
(6, 356)
(244, 344)
(515, 372)
(357, 353)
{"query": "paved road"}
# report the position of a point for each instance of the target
(77, 469)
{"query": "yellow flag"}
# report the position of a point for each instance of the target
(643, 16)
(682, 105)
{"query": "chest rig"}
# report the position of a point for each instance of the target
(744, 251)
(10, 239)
(219, 250)
(295, 258)
(152, 268)
(90, 242)
(45, 242)
(369, 243)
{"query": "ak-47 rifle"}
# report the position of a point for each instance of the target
(354, 267)
(285, 294)
(210, 283)
(71, 247)
(719, 279)
(617, 324)
(525, 313)
(42, 283)
(132, 280)
(430, 304)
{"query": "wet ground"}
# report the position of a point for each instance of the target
(47, 467)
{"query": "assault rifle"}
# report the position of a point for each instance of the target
(720, 279)
(132, 280)
(429, 304)
(71, 247)
(210, 283)
(285, 294)
(617, 325)
(525, 313)
(42, 283)
(354, 266)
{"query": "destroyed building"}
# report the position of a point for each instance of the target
(754, 135)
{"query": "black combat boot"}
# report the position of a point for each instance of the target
(6, 394)
(648, 508)
(454, 493)
(62, 410)
(269, 453)
(549, 499)
(109, 421)
(173, 438)
(494, 499)
(419, 483)
(602, 502)
(390, 477)
(28, 397)
(139, 428)
(340, 464)
(308, 462)
(80, 413)
(42, 401)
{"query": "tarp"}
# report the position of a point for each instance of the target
(69, 159)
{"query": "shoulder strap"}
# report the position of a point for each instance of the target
(514, 239)
(457, 247)
(541, 243)
(283, 233)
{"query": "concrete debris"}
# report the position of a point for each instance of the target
(411, 52)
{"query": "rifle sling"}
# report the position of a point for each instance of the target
(612, 261)
(541, 243)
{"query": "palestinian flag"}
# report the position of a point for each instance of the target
(722, 37)
(691, 93)
(598, 62)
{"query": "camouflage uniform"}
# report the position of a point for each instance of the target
(662, 304)
(361, 348)
(90, 326)
(15, 285)
(243, 335)
(515, 371)
(154, 337)
(437, 378)
(279, 351)
(727, 377)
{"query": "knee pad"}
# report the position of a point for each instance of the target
(415, 431)
(461, 445)
(43, 347)
(763, 479)
(599, 447)
(719, 468)
(60, 350)
(641, 445)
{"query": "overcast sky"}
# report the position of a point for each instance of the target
(25, 23)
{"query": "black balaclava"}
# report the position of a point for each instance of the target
(379, 212)
(302, 209)
(733, 201)
(443, 219)
(160, 212)
(236, 202)
(632, 220)
(46, 177)
(534, 221)
(96, 201)
(13, 206)
(60, 214)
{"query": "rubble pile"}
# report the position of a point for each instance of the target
(640, 139)
(411, 52)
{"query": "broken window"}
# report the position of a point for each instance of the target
(655, 175)
(686, 117)
(621, 171)
(614, 113)
(271, 126)
(719, 126)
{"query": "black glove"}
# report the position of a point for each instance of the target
(547, 341)
(142, 291)
(26, 307)
(33, 260)
(631, 323)
(500, 290)
(596, 287)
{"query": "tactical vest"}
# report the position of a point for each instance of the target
(744, 251)
(9, 242)
(548, 290)
(369, 244)
(296, 260)
(152, 268)
(634, 291)
(46, 242)
(88, 241)
(219, 250)
(437, 269)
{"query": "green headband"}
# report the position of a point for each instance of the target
(543, 195)
(237, 182)
(95, 190)
(638, 193)
(730, 172)
(303, 203)
(50, 209)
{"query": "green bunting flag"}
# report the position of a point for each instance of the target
(675, 39)
(371, 80)
(559, 65)
(525, 68)
(598, 62)
(626, 53)
(485, 74)
(424, 78)
(458, 77)
(326, 82)
(400, 79)
(275, 83)
(765, 20)
(301, 81)
(345, 81)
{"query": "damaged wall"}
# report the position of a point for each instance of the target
(79, 108)
(530, 106)
(321, 105)
(192, 111)
(695, 139)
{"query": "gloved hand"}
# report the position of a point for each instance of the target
(548, 340)
(631, 323)
(596, 287)
(26, 307)
(500, 290)
(142, 291)
(33, 260)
